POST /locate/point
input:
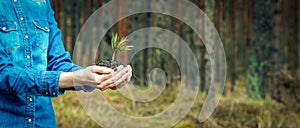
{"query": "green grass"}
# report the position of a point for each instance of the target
(234, 110)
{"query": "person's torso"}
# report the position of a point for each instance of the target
(24, 35)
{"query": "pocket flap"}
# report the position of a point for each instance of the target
(8, 25)
(42, 25)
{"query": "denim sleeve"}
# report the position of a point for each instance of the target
(26, 81)
(58, 58)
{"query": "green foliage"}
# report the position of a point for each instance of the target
(254, 87)
(244, 112)
(119, 44)
(237, 111)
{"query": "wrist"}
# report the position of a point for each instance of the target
(66, 80)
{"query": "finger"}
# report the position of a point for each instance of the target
(101, 89)
(102, 70)
(119, 68)
(112, 85)
(101, 78)
(129, 68)
(117, 75)
(113, 88)
(122, 79)
(122, 84)
(106, 84)
(130, 72)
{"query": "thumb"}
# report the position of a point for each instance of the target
(102, 70)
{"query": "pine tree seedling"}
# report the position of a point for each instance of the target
(118, 44)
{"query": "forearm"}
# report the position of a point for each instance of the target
(66, 80)
(75, 81)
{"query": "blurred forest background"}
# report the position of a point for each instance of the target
(261, 41)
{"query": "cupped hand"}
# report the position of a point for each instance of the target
(122, 76)
(103, 77)
(94, 76)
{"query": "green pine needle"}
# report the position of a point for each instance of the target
(119, 45)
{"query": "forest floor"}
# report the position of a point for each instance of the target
(233, 110)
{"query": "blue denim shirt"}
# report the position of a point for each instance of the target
(32, 56)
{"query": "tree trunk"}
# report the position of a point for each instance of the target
(201, 5)
(276, 48)
(57, 12)
(122, 28)
(233, 15)
(219, 15)
(247, 31)
(100, 3)
(86, 9)
(259, 60)
(219, 20)
(277, 40)
(146, 50)
(64, 26)
(174, 46)
(75, 23)
(293, 41)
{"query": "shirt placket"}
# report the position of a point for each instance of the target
(27, 58)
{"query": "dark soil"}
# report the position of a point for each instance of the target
(113, 64)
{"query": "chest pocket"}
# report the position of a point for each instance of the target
(42, 34)
(9, 36)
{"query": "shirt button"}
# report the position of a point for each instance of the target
(30, 99)
(54, 93)
(46, 93)
(21, 18)
(26, 36)
(29, 120)
(4, 28)
(28, 57)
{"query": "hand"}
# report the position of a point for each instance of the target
(102, 77)
(122, 77)
(94, 76)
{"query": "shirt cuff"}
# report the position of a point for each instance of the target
(50, 82)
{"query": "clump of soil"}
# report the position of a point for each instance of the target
(113, 64)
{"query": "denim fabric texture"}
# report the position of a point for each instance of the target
(32, 56)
